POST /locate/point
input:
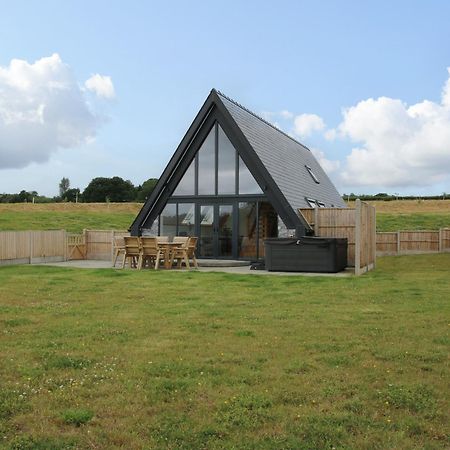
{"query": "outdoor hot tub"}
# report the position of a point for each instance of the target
(306, 254)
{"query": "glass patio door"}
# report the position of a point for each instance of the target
(225, 231)
(215, 231)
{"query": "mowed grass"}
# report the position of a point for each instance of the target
(391, 216)
(122, 359)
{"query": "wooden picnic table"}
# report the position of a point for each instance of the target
(169, 249)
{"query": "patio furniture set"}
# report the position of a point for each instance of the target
(151, 252)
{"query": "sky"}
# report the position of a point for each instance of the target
(109, 88)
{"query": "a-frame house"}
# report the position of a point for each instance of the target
(233, 181)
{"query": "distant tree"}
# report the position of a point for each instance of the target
(113, 189)
(22, 197)
(146, 189)
(72, 195)
(64, 186)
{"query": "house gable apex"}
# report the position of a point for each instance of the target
(213, 110)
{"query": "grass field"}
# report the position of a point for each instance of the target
(412, 215)
(121, 359)
(73, 217)
(391, 216)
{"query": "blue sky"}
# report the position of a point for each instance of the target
(309, 67)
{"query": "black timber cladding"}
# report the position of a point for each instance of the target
(285, 159)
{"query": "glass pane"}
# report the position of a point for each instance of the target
(186, 186)
(247, 184)
(168, 220)
(268, 224)
(226, 165)
(206, 165)
(205, 242)
(186, 219)
(247, 230)
(225, 230)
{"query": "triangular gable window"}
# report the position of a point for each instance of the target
(206, 165)
(247, 184)
(220, 170)
(226, 173)
(186, 186)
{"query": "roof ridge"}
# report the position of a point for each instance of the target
(260, 118)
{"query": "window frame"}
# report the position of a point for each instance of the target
(313, 175)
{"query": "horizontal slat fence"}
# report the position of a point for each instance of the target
(411, 242)
(27, 247)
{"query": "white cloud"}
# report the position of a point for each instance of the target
(306, 124)
(286, 114)
(446, 91)
(42, 109)
(327, 164)
(101, 85)
(400, 145)
(271, 116)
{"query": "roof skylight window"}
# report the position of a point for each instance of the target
(313, 175)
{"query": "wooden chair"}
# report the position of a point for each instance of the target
(132, 252)
(151, 253)
(162, 238)
(187, 253)
(119, 248)
(180, 253)
(192, 246)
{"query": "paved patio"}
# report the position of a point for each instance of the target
(212, 266)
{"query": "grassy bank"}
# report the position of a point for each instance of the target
(123, 359)
(412, 214)
(391, 216)
(68, 216)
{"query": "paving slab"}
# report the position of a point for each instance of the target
(240, 269)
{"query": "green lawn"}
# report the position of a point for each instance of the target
(412, 221)
(391, 216)
(122, 359)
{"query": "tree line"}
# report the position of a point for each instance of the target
(99, 190)
(116, 189)
(384, 196)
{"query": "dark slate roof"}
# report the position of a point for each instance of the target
(285, 159)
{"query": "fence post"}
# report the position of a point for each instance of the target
(374, 236)
(316, 221)
(440, 249)
(64, 235)
(30, 247)
(85, 234)
(357, 236)
(112, 245)
(398, 242)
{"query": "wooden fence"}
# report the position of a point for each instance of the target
(27, 247)
(357, 224)
(410, 242)
(100, 243)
